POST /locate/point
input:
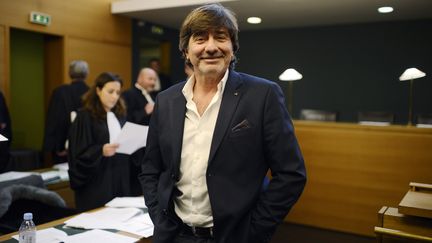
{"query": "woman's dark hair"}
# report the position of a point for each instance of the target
(92, 103)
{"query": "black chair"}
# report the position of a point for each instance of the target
(317, 115)
(375, 117)
(28, 194)
(24, 160)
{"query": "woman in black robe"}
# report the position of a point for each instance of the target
(97, 173)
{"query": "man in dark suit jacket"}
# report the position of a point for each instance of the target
(140, 103)
(140, 98)
(212, 140)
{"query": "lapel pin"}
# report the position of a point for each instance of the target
(236, 93)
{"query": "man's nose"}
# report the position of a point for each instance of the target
(211, 45)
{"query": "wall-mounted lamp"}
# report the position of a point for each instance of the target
(290, 75)
(411, 74)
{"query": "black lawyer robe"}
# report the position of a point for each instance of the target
(64, 99)
(135, 103)
(96, 179)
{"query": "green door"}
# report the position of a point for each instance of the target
(27, 88)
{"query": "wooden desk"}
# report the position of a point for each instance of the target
(396, 227)
(353, 170)
(61, 221)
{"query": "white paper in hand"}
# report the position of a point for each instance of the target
(3, 138)
(131, 138)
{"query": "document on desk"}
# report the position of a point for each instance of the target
(50, 235)
(98, 236)
(131, 220)
(131, 138)
(107, 218)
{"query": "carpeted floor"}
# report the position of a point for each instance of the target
(293, 233)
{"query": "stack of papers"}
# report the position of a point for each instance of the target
(131, 220)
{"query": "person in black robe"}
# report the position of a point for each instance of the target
(140, 102)
(97, 173)
(6, 131)
(65, 99)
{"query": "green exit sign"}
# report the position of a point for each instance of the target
(40, 18)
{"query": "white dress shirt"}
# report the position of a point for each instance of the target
(193, 206)
(114, 127)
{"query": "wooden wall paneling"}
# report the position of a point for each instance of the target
(2, 57)
(353, 170)
(80, 18)
(54, 65)
(101, 57)
(4, 62)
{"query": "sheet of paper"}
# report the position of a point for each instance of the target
(125, 202)
(141, 225)
(13, 175)
(131, 138)
(50, 235)
(107, 218)
(98, 236)
(3, 138)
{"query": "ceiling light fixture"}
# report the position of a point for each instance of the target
(385, 9)
(254, 20)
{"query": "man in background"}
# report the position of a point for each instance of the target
(65, 101)
(139, 101)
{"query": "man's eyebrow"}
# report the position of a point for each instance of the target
(200, 33)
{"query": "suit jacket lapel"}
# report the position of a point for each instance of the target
(178, 111)
(228, 106)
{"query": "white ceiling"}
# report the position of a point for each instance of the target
(279, 13)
